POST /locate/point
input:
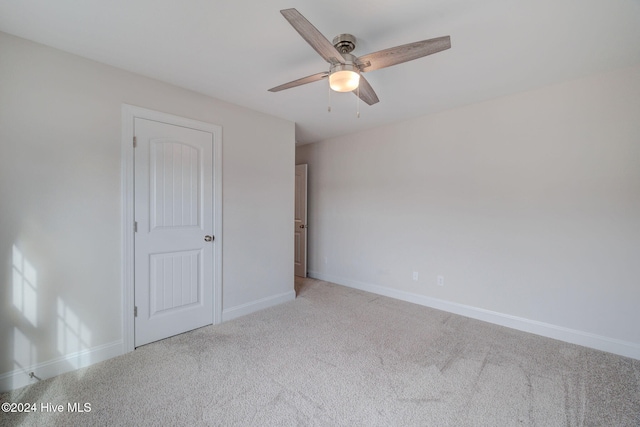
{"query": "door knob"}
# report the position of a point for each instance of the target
(208, 238)
(302, 226)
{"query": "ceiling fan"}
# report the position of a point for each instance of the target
(345, 71)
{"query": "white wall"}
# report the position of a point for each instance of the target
(528, 205)
(60, 204)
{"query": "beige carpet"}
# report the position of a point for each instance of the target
(341, 357)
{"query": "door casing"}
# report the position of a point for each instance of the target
(129, 113)
(300, 224)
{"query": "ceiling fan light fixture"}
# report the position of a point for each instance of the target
(344, 78)
(344, 81)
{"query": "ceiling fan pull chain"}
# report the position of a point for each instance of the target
(329, 108)
(358, 102)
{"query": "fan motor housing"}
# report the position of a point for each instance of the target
(345, 43)
(349, 65)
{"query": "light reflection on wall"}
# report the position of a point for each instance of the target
(73, 335)
(24, 298)
(25, 287)
(24, 352)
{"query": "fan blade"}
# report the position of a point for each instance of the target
(404, 53)
(300, 82)
(313, 36)
(366, 92)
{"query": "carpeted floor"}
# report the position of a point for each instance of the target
(341, 357)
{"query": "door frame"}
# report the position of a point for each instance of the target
(305, 220)
(129, 114)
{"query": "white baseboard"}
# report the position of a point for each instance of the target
(253, 306)
(586, 339)
(20, 377)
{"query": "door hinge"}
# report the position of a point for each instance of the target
(135, 142)
(135, 311)
(135, 226)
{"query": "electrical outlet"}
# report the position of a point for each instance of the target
(440, 280)
(415, 276)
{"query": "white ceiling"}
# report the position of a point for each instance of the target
(235, 50)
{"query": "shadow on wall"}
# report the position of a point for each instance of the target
(73, 337)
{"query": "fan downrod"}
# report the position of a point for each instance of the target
(344, 43)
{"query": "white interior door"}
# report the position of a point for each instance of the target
(174, 242)
(300, 222)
